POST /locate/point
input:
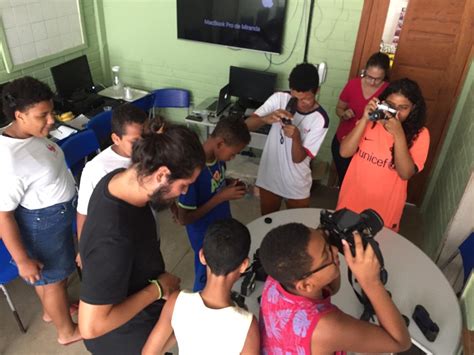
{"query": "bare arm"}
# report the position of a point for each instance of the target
(158, 339)
(343, 111)
(97, 320)
(233, 192)
(360, 336)
(351, 142)
(80, 220)
(252, 343)
(28, 268)
(298, 153)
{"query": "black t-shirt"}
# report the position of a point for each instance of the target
(120, 253)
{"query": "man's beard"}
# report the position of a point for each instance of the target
(158, 201)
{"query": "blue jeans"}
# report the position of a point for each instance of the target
(47, 236)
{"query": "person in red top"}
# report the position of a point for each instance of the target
(386, 154)
(354, 97)
(296, 313)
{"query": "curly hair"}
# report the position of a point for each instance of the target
(304, 77)
(284, 254)
(22, 93)
(416, 118)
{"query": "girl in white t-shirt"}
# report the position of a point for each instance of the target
(36, 192)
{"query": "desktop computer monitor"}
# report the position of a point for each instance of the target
(252, 87)
(73, 79)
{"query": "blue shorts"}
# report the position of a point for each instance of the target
(47, 237)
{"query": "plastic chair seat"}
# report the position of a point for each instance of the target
(77, 148)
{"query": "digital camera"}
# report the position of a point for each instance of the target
(379, 113)
(342, 223)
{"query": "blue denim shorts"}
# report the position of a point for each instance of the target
(47, 236)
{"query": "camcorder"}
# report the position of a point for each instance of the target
(340, 225)
(291, 108)
(379, 113)
(255, 273)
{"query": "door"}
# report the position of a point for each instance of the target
(434, 49)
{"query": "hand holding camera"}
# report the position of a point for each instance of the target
(379, 110)
(291, 109)
(234, 191)
(364, 264)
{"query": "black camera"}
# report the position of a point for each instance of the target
(379, 113)
(291, 108)
(342, 223)
(255, 273)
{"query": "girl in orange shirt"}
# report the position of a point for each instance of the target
(386, 153)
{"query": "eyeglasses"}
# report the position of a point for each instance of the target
(371, 78)
(319, 268)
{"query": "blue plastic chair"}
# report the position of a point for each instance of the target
(77, 148)
(101, 124)
(176, 98)
(8, 272)
(466, 250)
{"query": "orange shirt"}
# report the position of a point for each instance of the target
(371, 182)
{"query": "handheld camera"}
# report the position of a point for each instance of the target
(291, 108)
(379, 113)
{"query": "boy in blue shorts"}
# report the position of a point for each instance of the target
(207, 199)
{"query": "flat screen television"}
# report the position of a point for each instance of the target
(249, 24)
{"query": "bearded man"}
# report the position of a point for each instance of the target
(124, 282)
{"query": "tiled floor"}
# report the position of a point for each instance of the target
(41, 338)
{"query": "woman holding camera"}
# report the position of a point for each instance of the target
(386, 153)
(352, 101)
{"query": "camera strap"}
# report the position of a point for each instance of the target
(368, 312)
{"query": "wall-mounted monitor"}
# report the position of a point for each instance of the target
(249, 24)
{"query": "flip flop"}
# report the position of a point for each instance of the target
(73, 308)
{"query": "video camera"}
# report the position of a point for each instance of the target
(379, 113)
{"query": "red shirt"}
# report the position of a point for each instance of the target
(353, 96)
(287, 321)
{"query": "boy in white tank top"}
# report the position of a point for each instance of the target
(208, 322)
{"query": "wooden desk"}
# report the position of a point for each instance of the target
(413, 279)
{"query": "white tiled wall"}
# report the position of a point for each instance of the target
(37, 28)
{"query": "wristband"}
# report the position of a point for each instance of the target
(158, 286)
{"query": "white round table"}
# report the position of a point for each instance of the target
(413, 279)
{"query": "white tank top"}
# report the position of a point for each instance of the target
(202, 330)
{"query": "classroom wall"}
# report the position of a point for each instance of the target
(452, 171)
(142, 39)
(41, 71)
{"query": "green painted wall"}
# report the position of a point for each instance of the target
(453, 169)
(142, 39)
(94, 54)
